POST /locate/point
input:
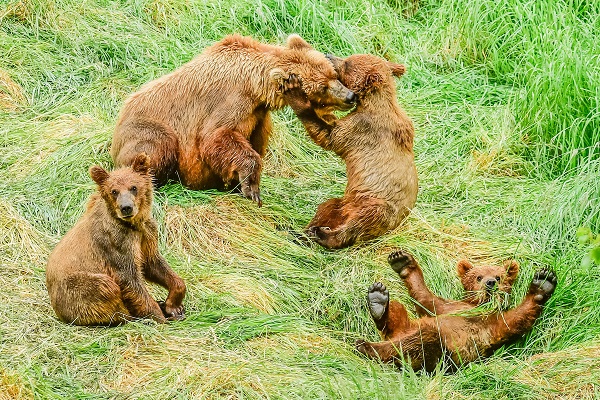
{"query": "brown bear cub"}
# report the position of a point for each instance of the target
(95, 275)
(207, 123)
(454, 339)
(376, 143)
(479, 283)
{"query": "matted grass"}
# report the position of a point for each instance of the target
(506, 148)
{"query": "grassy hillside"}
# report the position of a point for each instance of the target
(504, 96)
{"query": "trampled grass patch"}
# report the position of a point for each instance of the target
(504, 99)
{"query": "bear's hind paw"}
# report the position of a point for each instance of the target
(378, 300)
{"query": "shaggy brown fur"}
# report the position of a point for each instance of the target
(376, 143)
(455, 339)
(208, 124)
(95, 275)
(480, 283)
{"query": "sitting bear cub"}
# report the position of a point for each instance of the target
(455, 339)
(96, 273)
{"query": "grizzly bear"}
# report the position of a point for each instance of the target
(95, 275)
(207, 123)
(454, 339)
(375, 141)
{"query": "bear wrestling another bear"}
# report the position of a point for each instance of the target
(455, 339)
(376, 143)
(207, 123)
(95, 275)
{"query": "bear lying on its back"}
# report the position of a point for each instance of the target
(456, 339)
(376, 143)
(95, 275)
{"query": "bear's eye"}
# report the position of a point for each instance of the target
(498, 279)
(133, 189)
(114, 192)
(479, 278)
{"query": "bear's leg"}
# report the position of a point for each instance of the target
(90, 299)
(515, 323)
(154, 139)
(259, 138)
(421, 347)
(391, 318)
(384, 351)
(158, 271)
(404, 264)
(353, 219)
(230, 155)
(139, 302)
(410, 349)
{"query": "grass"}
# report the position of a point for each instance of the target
(504, 98)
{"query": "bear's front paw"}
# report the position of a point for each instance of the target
(360, 346)
(172, 313)
(327, 237)
(318, 232)
(291, 83)
(401, 262)
(543, 285)
(364, 347)
(252, 191)
(378, 299)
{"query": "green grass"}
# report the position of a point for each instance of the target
(504, 96)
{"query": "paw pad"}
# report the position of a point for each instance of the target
(399, 260)
(544, 283)
(378, 299)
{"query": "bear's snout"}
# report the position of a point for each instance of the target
(126, 211)
(490, 284)
(350, 97)
(126, 206)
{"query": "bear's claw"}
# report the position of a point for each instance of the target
(318, 232)
(176, 314)
(252, 192)
(378, 299)
(360, 345)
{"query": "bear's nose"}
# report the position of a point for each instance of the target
(350, 98)
(490, 283)
(126, 210)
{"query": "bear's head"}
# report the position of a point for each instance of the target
(482, 282)
(318, 77)
(127, 191)
(365, 73)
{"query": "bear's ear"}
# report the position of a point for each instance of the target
(98, 174)
(295, 42)
(337, 62)
(512, 270)
(278, 76)
(141, 164)
(373, 80)
(463, 267)
(397, 69)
